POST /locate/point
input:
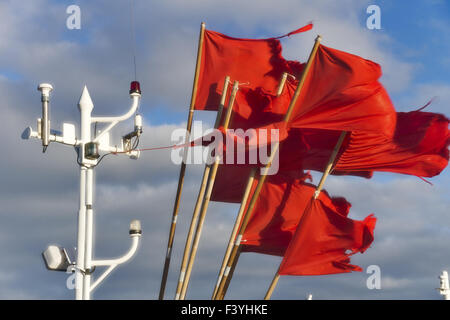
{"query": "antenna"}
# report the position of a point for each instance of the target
(133, 37)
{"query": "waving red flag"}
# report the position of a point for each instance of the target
(277, 212)
(325, 240)
(257, 62)
(419, 147)
(341, 92)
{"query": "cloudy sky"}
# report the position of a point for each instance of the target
(39, 192)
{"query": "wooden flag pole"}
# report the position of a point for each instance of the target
(183, 166)
(325, 174)
(329, 166)
(272, 286)
(207, 196)
(237, 223)
(206, 172)
(230, 274)
(246, 218)
(245, 196)
(282, 83)
(281, 86)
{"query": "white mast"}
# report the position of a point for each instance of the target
(88, 153)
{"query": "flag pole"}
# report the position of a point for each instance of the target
(183, 166)
(329, 166)
(246, 217)
(245, 196)
(230, 274)
(325, 174)
(207, 195)
(272, 285)
(206, 172)
(237, 223)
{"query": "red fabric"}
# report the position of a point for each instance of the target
(257, 62)
(302, 29)
(230, 183)
(325, 240)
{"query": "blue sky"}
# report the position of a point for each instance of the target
(39, 192)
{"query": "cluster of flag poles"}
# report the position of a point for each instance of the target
(365, 91)
(201, 206)
(235, 252)
(176, 206)
(316, 195)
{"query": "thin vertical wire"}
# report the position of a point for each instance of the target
(133, 37)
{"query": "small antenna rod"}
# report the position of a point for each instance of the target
(133, 37)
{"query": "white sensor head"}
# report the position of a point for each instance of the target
(138, 121)
(135, 227)
(45, 89)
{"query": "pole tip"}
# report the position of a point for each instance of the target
(319, 38)
(85, 101)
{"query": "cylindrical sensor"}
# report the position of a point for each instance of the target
(135, 227)
(45, 90)
(138, 123)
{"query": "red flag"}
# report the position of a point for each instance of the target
(419, 147)
(325, 240)
(257, 62)
(278, 211)
(341, 92)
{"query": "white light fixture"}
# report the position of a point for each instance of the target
(135, 227)
(56, 258)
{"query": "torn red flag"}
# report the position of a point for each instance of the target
(280, 207)
(324, 241)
